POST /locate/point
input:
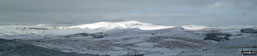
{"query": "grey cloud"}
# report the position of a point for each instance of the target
(98, 5)
(169, 12)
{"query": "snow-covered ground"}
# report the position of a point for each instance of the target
(132, 37)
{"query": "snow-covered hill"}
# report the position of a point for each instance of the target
(94, 27)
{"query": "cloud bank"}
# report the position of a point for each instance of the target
(167, 12)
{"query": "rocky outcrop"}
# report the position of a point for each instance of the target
(97, 35)
(217, 36)
(248, 30)
(94, 35)
(133, 55)
(39, 28)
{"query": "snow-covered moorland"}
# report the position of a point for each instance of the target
(135, 38)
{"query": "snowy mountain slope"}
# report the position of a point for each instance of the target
(24, 29)
(94, 27)
(135, 44)
(120, 25)
(233, 47)
(133, 37)
(12, 48)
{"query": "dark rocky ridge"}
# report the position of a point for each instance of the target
(217, 36)
(94, 35)
(248, 30)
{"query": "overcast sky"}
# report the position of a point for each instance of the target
(166, 12)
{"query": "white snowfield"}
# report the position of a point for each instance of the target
(133, 37)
